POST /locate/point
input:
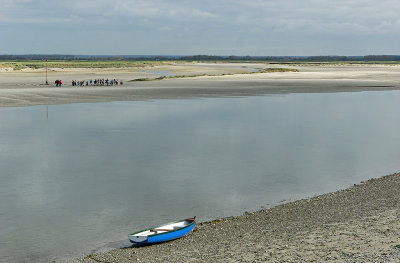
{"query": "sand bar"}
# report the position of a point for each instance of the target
(27, 88)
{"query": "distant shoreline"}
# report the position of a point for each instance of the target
(26, 88)
(216, 58)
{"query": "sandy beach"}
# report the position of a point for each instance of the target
(27, 87)
(358, 224)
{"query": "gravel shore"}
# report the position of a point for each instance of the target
(359, 224)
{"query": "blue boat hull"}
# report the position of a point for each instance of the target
(169, 235)
(138, 239)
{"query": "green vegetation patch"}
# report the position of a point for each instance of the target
(13, 65)
(271, 70)
(37, 64)
(142, 79)
(170, 77)
(266, 70)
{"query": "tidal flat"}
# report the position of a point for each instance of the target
(26, 87)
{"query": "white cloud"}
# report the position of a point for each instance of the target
(220, 22)
(290, 15)
(139, 9)
(338, 17)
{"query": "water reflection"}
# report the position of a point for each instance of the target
(92, 173)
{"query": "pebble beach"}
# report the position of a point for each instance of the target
(358, 224)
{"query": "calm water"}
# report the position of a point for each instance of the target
(90, 174)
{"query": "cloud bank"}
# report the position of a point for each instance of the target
(220, 27)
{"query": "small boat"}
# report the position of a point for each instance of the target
(163, 233)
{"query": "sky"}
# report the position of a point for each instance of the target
(193, 27)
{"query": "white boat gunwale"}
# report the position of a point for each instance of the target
(164, 231)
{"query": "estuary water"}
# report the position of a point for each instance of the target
(81, 177)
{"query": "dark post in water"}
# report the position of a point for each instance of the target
(47, 83)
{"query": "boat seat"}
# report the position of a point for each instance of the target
(159, 229)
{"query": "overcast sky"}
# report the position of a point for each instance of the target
(211, 27)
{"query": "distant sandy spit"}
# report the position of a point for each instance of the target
(191, 80)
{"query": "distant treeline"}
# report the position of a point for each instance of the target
(294, 58)
(204, 58)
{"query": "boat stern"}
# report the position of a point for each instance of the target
(137, 239)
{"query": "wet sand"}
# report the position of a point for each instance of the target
(359, 224)
(27, 88)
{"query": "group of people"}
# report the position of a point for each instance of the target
(97, 82)
(58, 83)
